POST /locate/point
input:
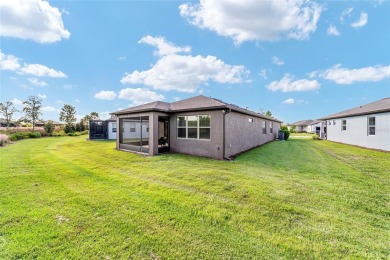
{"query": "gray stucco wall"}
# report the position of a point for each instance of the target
(242, 135)
(209, 148)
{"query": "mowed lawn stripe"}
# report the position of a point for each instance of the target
(67, 197)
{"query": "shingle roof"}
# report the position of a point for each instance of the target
(379, 106)
(155, 106)
(303, 122)
(196, 103)
(190, 104)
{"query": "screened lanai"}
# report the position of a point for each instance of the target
(134, 133)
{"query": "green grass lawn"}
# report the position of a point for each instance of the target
(70, 198)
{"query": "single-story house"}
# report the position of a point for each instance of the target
(199, 126)
(3, 123)
(367, 125)
(314, 127)
(301, 126)
(42, 123)
(102, 129)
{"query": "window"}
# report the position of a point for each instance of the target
(271, 130)
(264, 128)
(250, 120)
(132, 128)
(330, 122)
(371, 125)
(114, 127)
(193, 127)
(334, 122)
(181, 127)
(343, 125)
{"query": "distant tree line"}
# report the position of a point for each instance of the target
(32, 109)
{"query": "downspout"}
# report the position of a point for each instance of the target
(225, 112)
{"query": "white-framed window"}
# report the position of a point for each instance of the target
(343, 124)
(194, 127)
(330, 122)
(264, 128)
(132, 127)
(114, 127)
(250, 120)
(271, 128)
(334, 122)
(371, 125)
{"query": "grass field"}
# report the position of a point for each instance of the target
(70, 198)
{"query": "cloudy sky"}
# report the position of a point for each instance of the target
(298, 59)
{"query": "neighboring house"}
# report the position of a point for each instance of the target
(102, 129)
(3, 123)
(42, 123)
(301, 126)
(199, 126)
(314, 127)
(367, 125)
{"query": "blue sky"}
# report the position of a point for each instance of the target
(298, 59)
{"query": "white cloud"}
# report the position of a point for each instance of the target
(346, 76)
(288, 84)
(49, 109)
(184, 73)
(36, 82)
(346, 12)
(122, 58)
(277, 61)
(43, 96)
(263, 73)
(291, 101)
(255, 20)
(42, 71)
(77, 100)
(78, 117)
(9, 62)
(69, 86)
(60, 102)
(33, 20)
(361, 22)
(163, 46)
(104, 115)
(332, 30)
(106, 95)
(16, 101)
(64, 11)
(139, 96)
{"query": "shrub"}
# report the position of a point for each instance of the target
(58, 133)
(3, 142)
(286, 134)
(85, 132)
(69, 128)
(16, 137)
(316, 137)
(49, 127)
(34, 135)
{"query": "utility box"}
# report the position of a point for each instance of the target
(281, 135)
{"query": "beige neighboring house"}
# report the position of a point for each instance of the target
(366, 125)
(302, 126)
(42, 123)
